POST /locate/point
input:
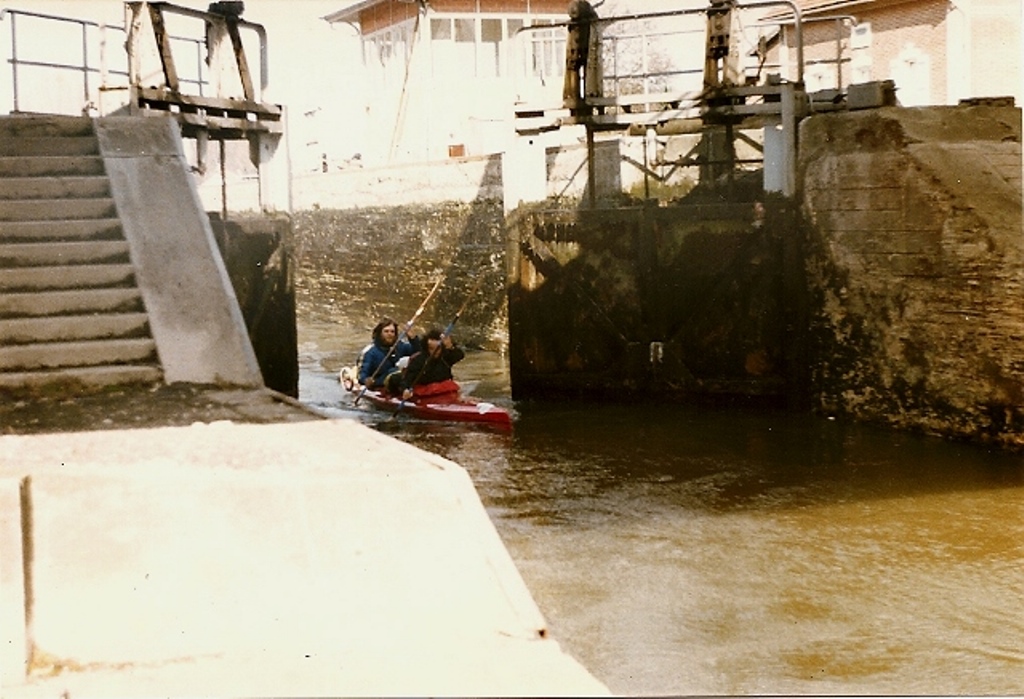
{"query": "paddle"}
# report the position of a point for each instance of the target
(447, 331)
(401, 337)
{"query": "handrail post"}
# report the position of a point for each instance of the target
(85, 63)
(839, 54)
(14, 61)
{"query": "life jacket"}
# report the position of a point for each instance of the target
(438, 392)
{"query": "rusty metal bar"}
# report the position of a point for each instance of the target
(27, 572)
(243, 64)
(163, 42)
(260, 30)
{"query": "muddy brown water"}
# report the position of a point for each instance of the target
(676, 550)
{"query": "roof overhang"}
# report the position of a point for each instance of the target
(350, 13)
(811, 8)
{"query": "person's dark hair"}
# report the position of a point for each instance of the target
(379, 328)
(433, 334)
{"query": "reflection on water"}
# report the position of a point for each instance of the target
(677, 550)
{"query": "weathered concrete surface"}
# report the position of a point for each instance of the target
(363, 263)
(194, 315)
(314, 558)
(916, 268)
(679, 301)
(258, 255)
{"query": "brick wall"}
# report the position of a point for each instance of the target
(386, 14)
(894, 28)
(919, 24)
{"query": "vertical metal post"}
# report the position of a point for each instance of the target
(649, 135)
(591, 168)
(199, 62)
(223, 183)
(27, 562)
(14, 60)
(789, 139)
(85, 63)
(134, 51)
(839, 54)
(104, 65)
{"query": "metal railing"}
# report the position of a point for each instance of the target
(100, 68)
(652, 73)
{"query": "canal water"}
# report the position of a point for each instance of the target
(677, 550)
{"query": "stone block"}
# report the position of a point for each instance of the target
(879, 93)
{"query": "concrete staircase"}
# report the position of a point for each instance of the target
(71, 314)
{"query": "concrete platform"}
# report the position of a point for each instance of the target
(315, 557)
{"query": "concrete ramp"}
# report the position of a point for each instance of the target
(317, 558)
(193, 313)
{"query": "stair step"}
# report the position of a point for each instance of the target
(65, 277)
(53, 355)
(63, 253)
(54, 231)
(21, 331)
(49, 145)
(71, 379)
(51, 165)
(54, 187)
(77, 301)
(27, 210)
(36, 126)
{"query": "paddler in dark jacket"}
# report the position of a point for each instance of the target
(430, 370)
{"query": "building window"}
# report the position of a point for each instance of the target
(860, 53)
(489, 56)
(465, 30)
(547, 53)
(484, 47)
(453, 45)
(441, 29)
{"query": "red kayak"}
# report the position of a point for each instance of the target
(462, 409)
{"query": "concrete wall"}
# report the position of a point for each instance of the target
(359, 264)
(259, 258)
(915, 263)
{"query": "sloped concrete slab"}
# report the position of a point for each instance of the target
(311, 558)
(194, 316)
